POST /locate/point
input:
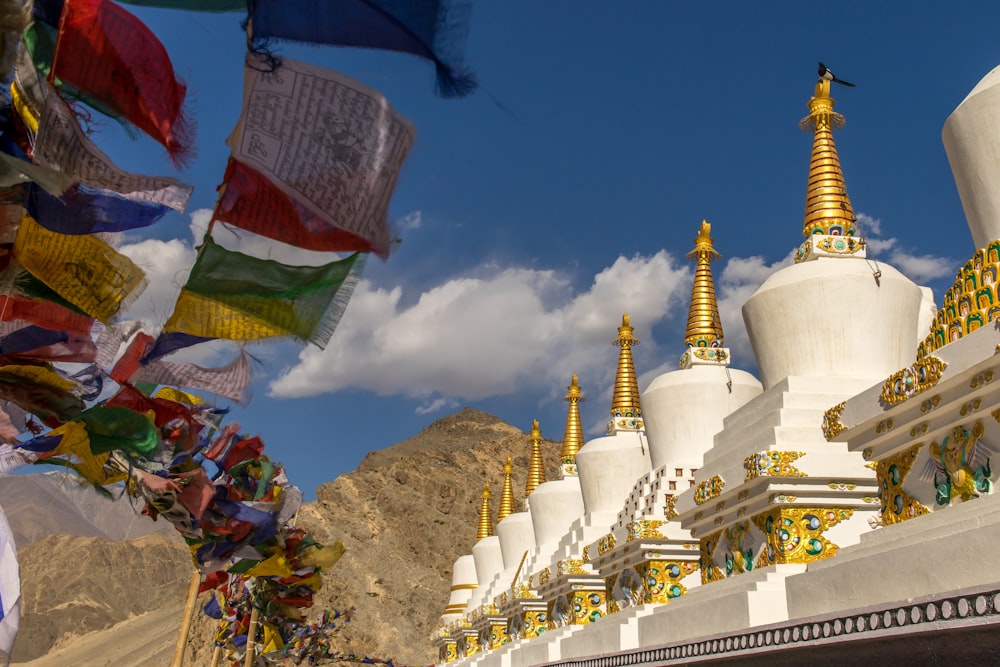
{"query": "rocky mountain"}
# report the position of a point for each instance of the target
(404, 516)
(72, 586)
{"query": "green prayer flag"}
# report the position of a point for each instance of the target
(239, 297)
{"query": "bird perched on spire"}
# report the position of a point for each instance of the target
(825, 73)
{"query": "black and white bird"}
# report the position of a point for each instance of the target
(825, 73)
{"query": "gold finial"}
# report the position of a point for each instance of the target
(626, 394)
(573, 436)
(507, 495)
(704, 328)
(536, 469)
(828, 208)
(485, 520)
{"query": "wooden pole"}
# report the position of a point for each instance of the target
(192, 601)
(251, 636)
(217, 655)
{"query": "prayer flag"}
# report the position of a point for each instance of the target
(239, 297)
(12, 457)
(431, 29)
(331, 144)
(73, 448)
(61, 144)
(231, 381)
(194, 5)
(15, 170)
(119, 429)
(45, 314)
(84, 270)
(41, 392)
(252, 202)
(105, 51)
(84, 210)
(34, 64)
(10, 587)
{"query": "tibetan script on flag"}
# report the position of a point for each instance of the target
(84, 270)
(61, 144)
(327, 141)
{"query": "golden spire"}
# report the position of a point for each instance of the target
(485, 521)
(828, 208)
(536, 469)
(507, 495)
(625, 401)
(704, 328)
(573, 436)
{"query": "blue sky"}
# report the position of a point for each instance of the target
(567, 191)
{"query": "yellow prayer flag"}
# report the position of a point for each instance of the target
(23, 108)
(84, 270)
(272, 639)
(39, 375)
(177, 396)
(275, 566)
(75, 447)
(322, 556)
(201, 316)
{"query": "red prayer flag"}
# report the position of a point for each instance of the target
(127, 365)
(251, 448)
(212, 580)
(108, 53)
(252, 202)
(45, 314)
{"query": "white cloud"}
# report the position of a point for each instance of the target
(412, 220)
(437, 405)
(918, 268)
(166, 264)
(505, 330)
(922, 268)
(516, 329)
(869, 225)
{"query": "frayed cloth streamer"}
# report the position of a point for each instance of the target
(33, 343)
(110, 340)
(84, 270)
(231, 381)
(44, 314)
(250, 201)
(431, 29)
(85, 210)
(331, 144)
(11, 456)
(61, 144)
(14, 171)
(171, 341)
(14, 18)
(239, 297)
(41, 392)
(107, 52)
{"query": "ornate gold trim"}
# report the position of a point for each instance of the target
(709, 489)
(671, 509)
(897, 505)
(646, 529)
(772, 464)
(795, 534)
(831, 421)
(907, 382)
